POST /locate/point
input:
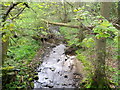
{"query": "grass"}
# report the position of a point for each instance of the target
(18, 63)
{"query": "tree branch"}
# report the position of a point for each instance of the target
(18, 13)
(8, 11)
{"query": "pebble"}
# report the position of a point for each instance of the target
(58, 60)
(65, 76)
(52, 69)
(65, 59)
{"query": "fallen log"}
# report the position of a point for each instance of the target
(71, 26)
(61, 24)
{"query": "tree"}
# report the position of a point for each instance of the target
(118, 22)
(99, 79)
(5, 16)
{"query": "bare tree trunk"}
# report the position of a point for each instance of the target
(4, 44)
(105, 9)
(119, 13)
(100, 76)
(4, 49)
(99, 79)
(81, 34)
(65, 20)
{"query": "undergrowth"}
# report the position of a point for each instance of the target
(87, 56)
(17, 67)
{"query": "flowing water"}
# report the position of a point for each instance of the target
(57, 70)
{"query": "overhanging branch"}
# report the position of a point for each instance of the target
(12, 7)
(8, 10)
(18, 13)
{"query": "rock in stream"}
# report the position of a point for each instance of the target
(57, 70)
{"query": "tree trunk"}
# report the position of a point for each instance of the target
(99, 79)
(65, 20)
(119, 13)
(100, 76)
(105, 9)
(0, 57)
(81, 34)
(4, 49)
(4, 44)
(4, 18)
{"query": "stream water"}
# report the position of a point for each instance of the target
(57, 70)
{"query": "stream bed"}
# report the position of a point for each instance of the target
(57, 70)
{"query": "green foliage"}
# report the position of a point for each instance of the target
(87, 64)
(113, 72)
(71, 35)
(117, 37)
(20, 56)
(103, 29)
(8, 29)
(88, 42)
(84, 15)
(23, 48)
